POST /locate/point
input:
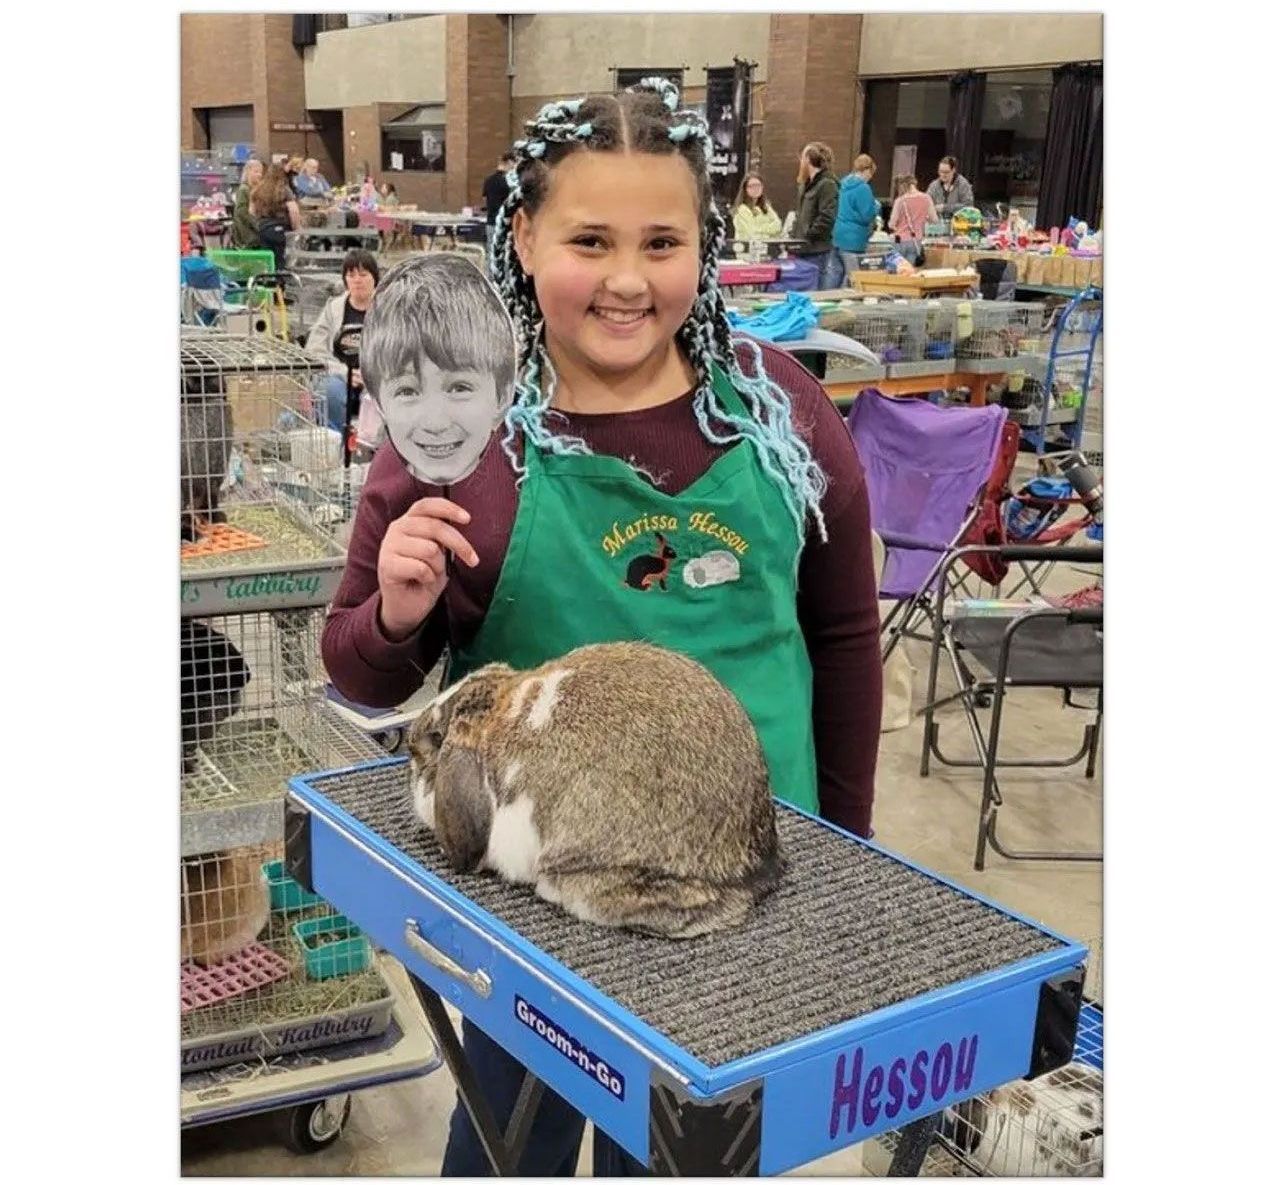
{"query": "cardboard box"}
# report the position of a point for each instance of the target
(257, 401)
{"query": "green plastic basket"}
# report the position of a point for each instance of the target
(238, 267)
(286, 895)
(332, 946)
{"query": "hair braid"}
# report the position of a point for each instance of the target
(647, 119)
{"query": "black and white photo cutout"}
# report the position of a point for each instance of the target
(438, 357)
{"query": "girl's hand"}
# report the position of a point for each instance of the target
(411, 570)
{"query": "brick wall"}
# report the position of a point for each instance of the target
(811, 90)
(248, 59)
(478, 106)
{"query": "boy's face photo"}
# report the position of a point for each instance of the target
(441, 420)
(438, 355)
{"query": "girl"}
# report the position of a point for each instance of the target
(912, 209)
(754, 217)
(634, 412)
(857, 211)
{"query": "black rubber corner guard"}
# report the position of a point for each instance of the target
(1057, 1019)
(694, 1138)
(296, 844)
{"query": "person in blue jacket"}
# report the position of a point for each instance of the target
(857, 211)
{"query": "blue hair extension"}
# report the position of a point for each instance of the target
(584, 131)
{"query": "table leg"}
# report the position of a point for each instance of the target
(503, 1150)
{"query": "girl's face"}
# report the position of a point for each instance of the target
(614, 251)
(754, 188)
(440, 420)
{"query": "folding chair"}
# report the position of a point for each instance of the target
(1058, 646)
(936, 477)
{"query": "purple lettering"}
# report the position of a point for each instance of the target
(897, 1069)
(872, 1095)
(965, 1067)
(845, 1094)
(942, 1073)
(918, 1080)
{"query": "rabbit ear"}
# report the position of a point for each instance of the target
(462, 807)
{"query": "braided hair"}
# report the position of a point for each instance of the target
(646, 118)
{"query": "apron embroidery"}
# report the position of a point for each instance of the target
(598, 554)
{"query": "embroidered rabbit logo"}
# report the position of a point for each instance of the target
(644, 571)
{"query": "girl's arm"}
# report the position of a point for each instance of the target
(837, 608)
(771, 224)
(362, 663)
(294, 216)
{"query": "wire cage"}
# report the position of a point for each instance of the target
(266, 967)
(882, 327)
(928, 342)
(253, 714)
(1051, 1126)
(988, 332)
(262, 479)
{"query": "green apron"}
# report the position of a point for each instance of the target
(585, 565)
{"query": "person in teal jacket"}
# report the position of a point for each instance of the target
(857, 211)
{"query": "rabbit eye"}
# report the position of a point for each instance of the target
(435, 737)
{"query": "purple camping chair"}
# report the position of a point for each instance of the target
(926, 468)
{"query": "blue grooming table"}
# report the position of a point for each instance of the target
(866, 994)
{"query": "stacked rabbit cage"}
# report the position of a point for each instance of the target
(266, 968)
(988, 332)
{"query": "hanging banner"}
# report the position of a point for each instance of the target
(727, 108)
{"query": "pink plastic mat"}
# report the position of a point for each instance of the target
(253, 967)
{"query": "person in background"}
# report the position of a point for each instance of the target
(360, 274)
(817, 213)
(496, 190)
(274, 206)
(857, 211)
(389, 195)
(310, 182)
(293, 170)
(243, 228)
(911, 211)
(754, 217)
(949, 191)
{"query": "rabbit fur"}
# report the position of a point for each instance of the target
(1051, 1126)
(225, 904)
(206, 434)
(622, 781)
(213, 676)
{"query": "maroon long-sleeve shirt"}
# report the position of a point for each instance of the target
(836, 596)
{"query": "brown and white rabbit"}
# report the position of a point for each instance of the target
(622, 781)
(225, 904)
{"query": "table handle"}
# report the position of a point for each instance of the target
(477, 981)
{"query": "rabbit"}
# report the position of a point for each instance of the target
(225, 904)
(1049, 1127)
(213, 676)
(207, 432)
(622, 781)
(645, 570)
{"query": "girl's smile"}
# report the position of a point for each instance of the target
(614, 254)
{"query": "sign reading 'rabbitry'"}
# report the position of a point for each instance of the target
(271, 588)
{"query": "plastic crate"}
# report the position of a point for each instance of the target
(332, 946)
(286, 894)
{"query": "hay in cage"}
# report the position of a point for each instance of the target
(227, 910)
